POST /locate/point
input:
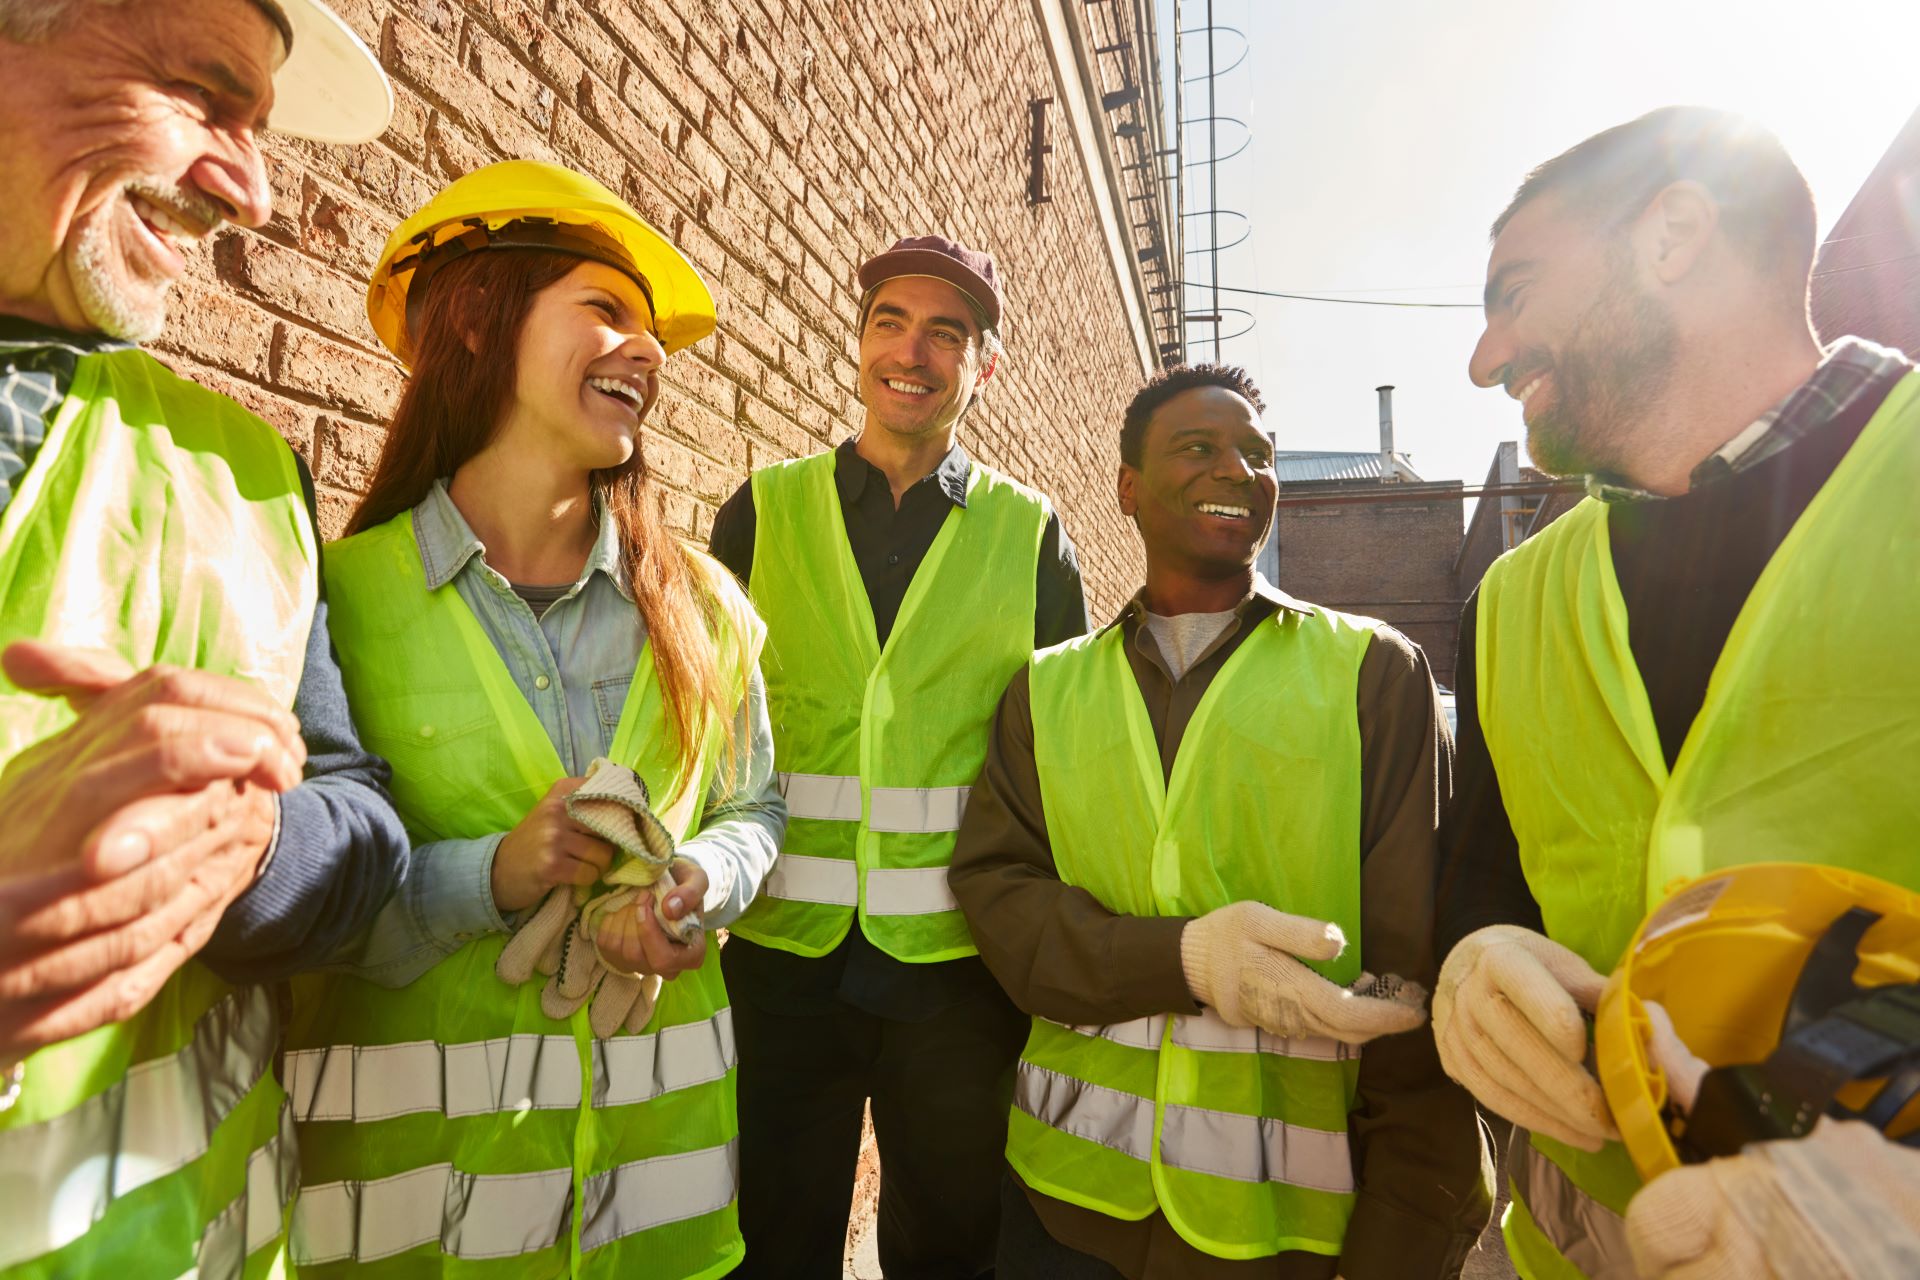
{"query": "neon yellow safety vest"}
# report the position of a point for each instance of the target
(1239, 1137)
(878, 748)
(1804, 750)
(451, 1127)
(165, 523)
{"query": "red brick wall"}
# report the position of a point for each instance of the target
(1388, 560)
(778, 144)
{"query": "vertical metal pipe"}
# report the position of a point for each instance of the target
(1177, 251)
(1388, 471)
(1213, 185)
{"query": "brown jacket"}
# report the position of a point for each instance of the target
(1423, 1196)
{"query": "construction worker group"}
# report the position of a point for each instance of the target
(362, 904)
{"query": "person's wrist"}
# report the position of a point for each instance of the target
(1193, 963)
(509, 894)
(270, 800)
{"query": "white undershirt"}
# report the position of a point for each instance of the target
(1183, 637)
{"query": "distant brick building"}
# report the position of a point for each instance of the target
(1363, 532)
(1502, 521)
(1350, 545)
(778, 142)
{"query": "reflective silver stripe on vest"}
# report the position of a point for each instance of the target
(1109, 1117)
(917, 809)
(1220, 1143)
(829, 797)
(377, 1082)
(477, 1216)
(799, 878)
(891, 891)
(467, 1215)
(1141, 1033)
(252, 1221)
(66, 1171)
(513, 1073)
(825, 797)
(1207, 1033)
(1255, 1149)
(1587, 1233)
(631, 1069)
(909, 891)
(651, 1193)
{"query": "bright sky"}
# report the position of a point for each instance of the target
(1387, 134)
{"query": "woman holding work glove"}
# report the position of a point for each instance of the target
(569, 698)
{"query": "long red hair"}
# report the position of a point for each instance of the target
(465, 344)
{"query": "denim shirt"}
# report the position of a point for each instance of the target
(573, 665)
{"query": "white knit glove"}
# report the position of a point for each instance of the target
(536, 941)
(557, 940)
(1842, 1203)
(549, 942)
(577, 976)
(1507, 1017)
(613, 804)
(1682, 1068)
(1239, 960)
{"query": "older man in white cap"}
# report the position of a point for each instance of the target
(185, 811)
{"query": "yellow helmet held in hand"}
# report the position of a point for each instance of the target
(1799, 985)
(529, 204)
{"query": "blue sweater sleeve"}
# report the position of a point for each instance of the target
(340, 851)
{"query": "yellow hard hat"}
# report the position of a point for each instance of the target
(532, 204)
(1795, 983)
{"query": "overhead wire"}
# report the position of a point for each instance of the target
(1320, 297)
(1468, 306)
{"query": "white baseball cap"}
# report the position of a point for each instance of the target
(331, 87)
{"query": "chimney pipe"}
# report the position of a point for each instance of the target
(1389, 470)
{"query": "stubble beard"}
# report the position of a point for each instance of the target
(103, 285)
(1616, 366)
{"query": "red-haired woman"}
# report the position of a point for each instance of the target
(508, 607)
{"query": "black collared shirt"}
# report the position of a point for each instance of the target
(888, 544)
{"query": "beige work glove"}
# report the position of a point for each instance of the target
(1842, 1203)
(613, 804)
(576, 974)
(535, 944)
(1240, 961)
(557, 939)
(1682, 1068)
(1508, 1020)
(623, 1000)
(579, 976)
